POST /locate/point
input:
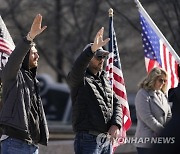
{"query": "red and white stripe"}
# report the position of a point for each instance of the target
(5, 46)
(116, 77)
(169, 64)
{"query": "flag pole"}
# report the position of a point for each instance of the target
(156, 29)
(110, 26)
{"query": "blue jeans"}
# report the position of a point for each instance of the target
(16, 146)
(86, 143)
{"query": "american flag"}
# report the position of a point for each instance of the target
(6, 44)
(115, 75)
(157, 51)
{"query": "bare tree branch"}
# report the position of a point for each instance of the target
(124, 16)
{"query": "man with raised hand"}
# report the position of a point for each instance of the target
(96, 114)
(22, 116)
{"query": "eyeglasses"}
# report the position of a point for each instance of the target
(162, 80)
(100, 57)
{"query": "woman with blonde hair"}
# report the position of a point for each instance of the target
(152, 109)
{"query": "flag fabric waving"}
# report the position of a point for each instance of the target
(115, 75)
(6, 44)
(157, 51)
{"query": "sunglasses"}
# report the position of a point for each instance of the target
(162, 80)
(100, 57)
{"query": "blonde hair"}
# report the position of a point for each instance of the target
(148, 82)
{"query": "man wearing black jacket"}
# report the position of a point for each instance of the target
(96, 113)
(22, 117)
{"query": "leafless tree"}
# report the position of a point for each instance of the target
(73, 23)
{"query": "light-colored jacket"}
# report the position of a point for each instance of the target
(153, 112)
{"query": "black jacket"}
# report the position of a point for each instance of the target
(174, 97)
(19, 88)
(92, 106)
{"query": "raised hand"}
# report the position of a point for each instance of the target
(36, 28)
(98, 40)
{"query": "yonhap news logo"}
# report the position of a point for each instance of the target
(151, 140)
(105, 139)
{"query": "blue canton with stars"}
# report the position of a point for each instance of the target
(116, 54)
(150, 40)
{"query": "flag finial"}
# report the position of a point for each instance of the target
(110, 12)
